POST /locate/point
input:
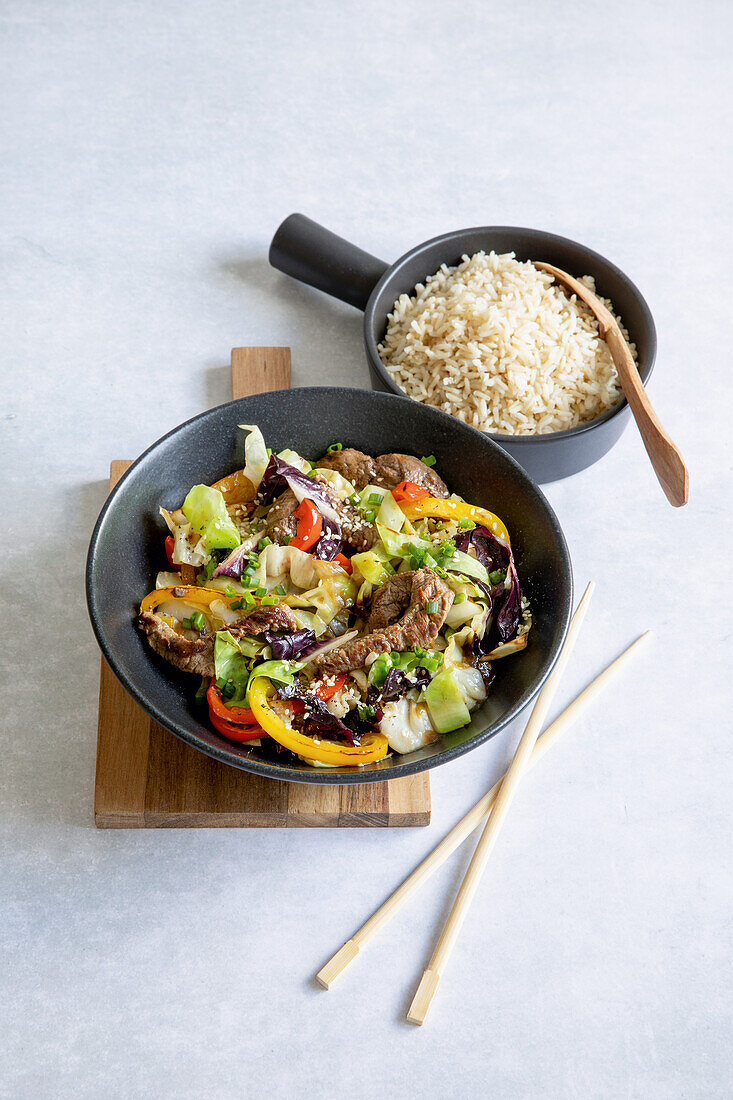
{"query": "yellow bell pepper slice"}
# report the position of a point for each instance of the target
(189, 593)
(236, 488)
(434, 508)
(372, 748)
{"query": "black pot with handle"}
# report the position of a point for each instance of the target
(312, 254)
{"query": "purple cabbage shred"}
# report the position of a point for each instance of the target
(506, 603)
(288, 647)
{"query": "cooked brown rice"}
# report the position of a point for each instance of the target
(498, 344)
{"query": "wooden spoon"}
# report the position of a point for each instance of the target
(667, 461)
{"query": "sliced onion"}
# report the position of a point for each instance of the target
(168, 580)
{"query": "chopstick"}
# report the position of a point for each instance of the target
(337, 964)
(431, 977)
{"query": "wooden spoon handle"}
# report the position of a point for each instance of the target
(666, 459)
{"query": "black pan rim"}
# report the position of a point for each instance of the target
(327, 776)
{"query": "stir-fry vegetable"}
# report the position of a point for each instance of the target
(310, 525)
(458, 510)
(206, 511)
(373, 747)
(409, 492)
(236, 488)
(237, 716)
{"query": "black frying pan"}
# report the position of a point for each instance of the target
(126, 553)
(314, 255)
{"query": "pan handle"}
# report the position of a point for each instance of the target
(307, 251)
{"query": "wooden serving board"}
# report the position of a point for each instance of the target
(147, 778)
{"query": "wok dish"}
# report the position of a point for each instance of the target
(336, 610)
(300, 426)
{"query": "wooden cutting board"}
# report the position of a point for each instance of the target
(147, 778)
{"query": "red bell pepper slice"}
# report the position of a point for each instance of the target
(169, 544)
(327, 691)
(233, 732)
(345, 563)
(310, 525)
(237, 716)
(409, 491)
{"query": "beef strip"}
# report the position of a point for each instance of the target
(355, 466)
(417, 627)
(197, 654)
(279, 618)
(394, 468)
(390, 601)
(281, 524)
(188, 654)
(358, 534)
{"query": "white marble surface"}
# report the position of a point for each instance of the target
(150, 150)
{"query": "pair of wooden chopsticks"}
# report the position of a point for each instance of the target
(496, 803)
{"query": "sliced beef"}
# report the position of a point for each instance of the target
(352, 655)
(358, 534)
(197, 654)
(355, 466)
(417, 627)
(280, 619)
(390, 601)
(394, 468)
(386, 470)
(187, 654)
(281, 524)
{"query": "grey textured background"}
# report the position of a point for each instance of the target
(149, 152)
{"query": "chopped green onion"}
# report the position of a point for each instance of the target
(374, 498)
(269, 451)
(467, 523)
(370, 516)
(335, 447)
(230, 591)
(263, 543)
(201, 692)
(378, 669)
(209, 568)
(497, 575)
(198, 622)
(280, 590)
(460, 597)
(269, 601)
(429, 460)
(365, 711)
(432, 606)
(186, 624)
(235, 605)
(249, 601)
(260, 591)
